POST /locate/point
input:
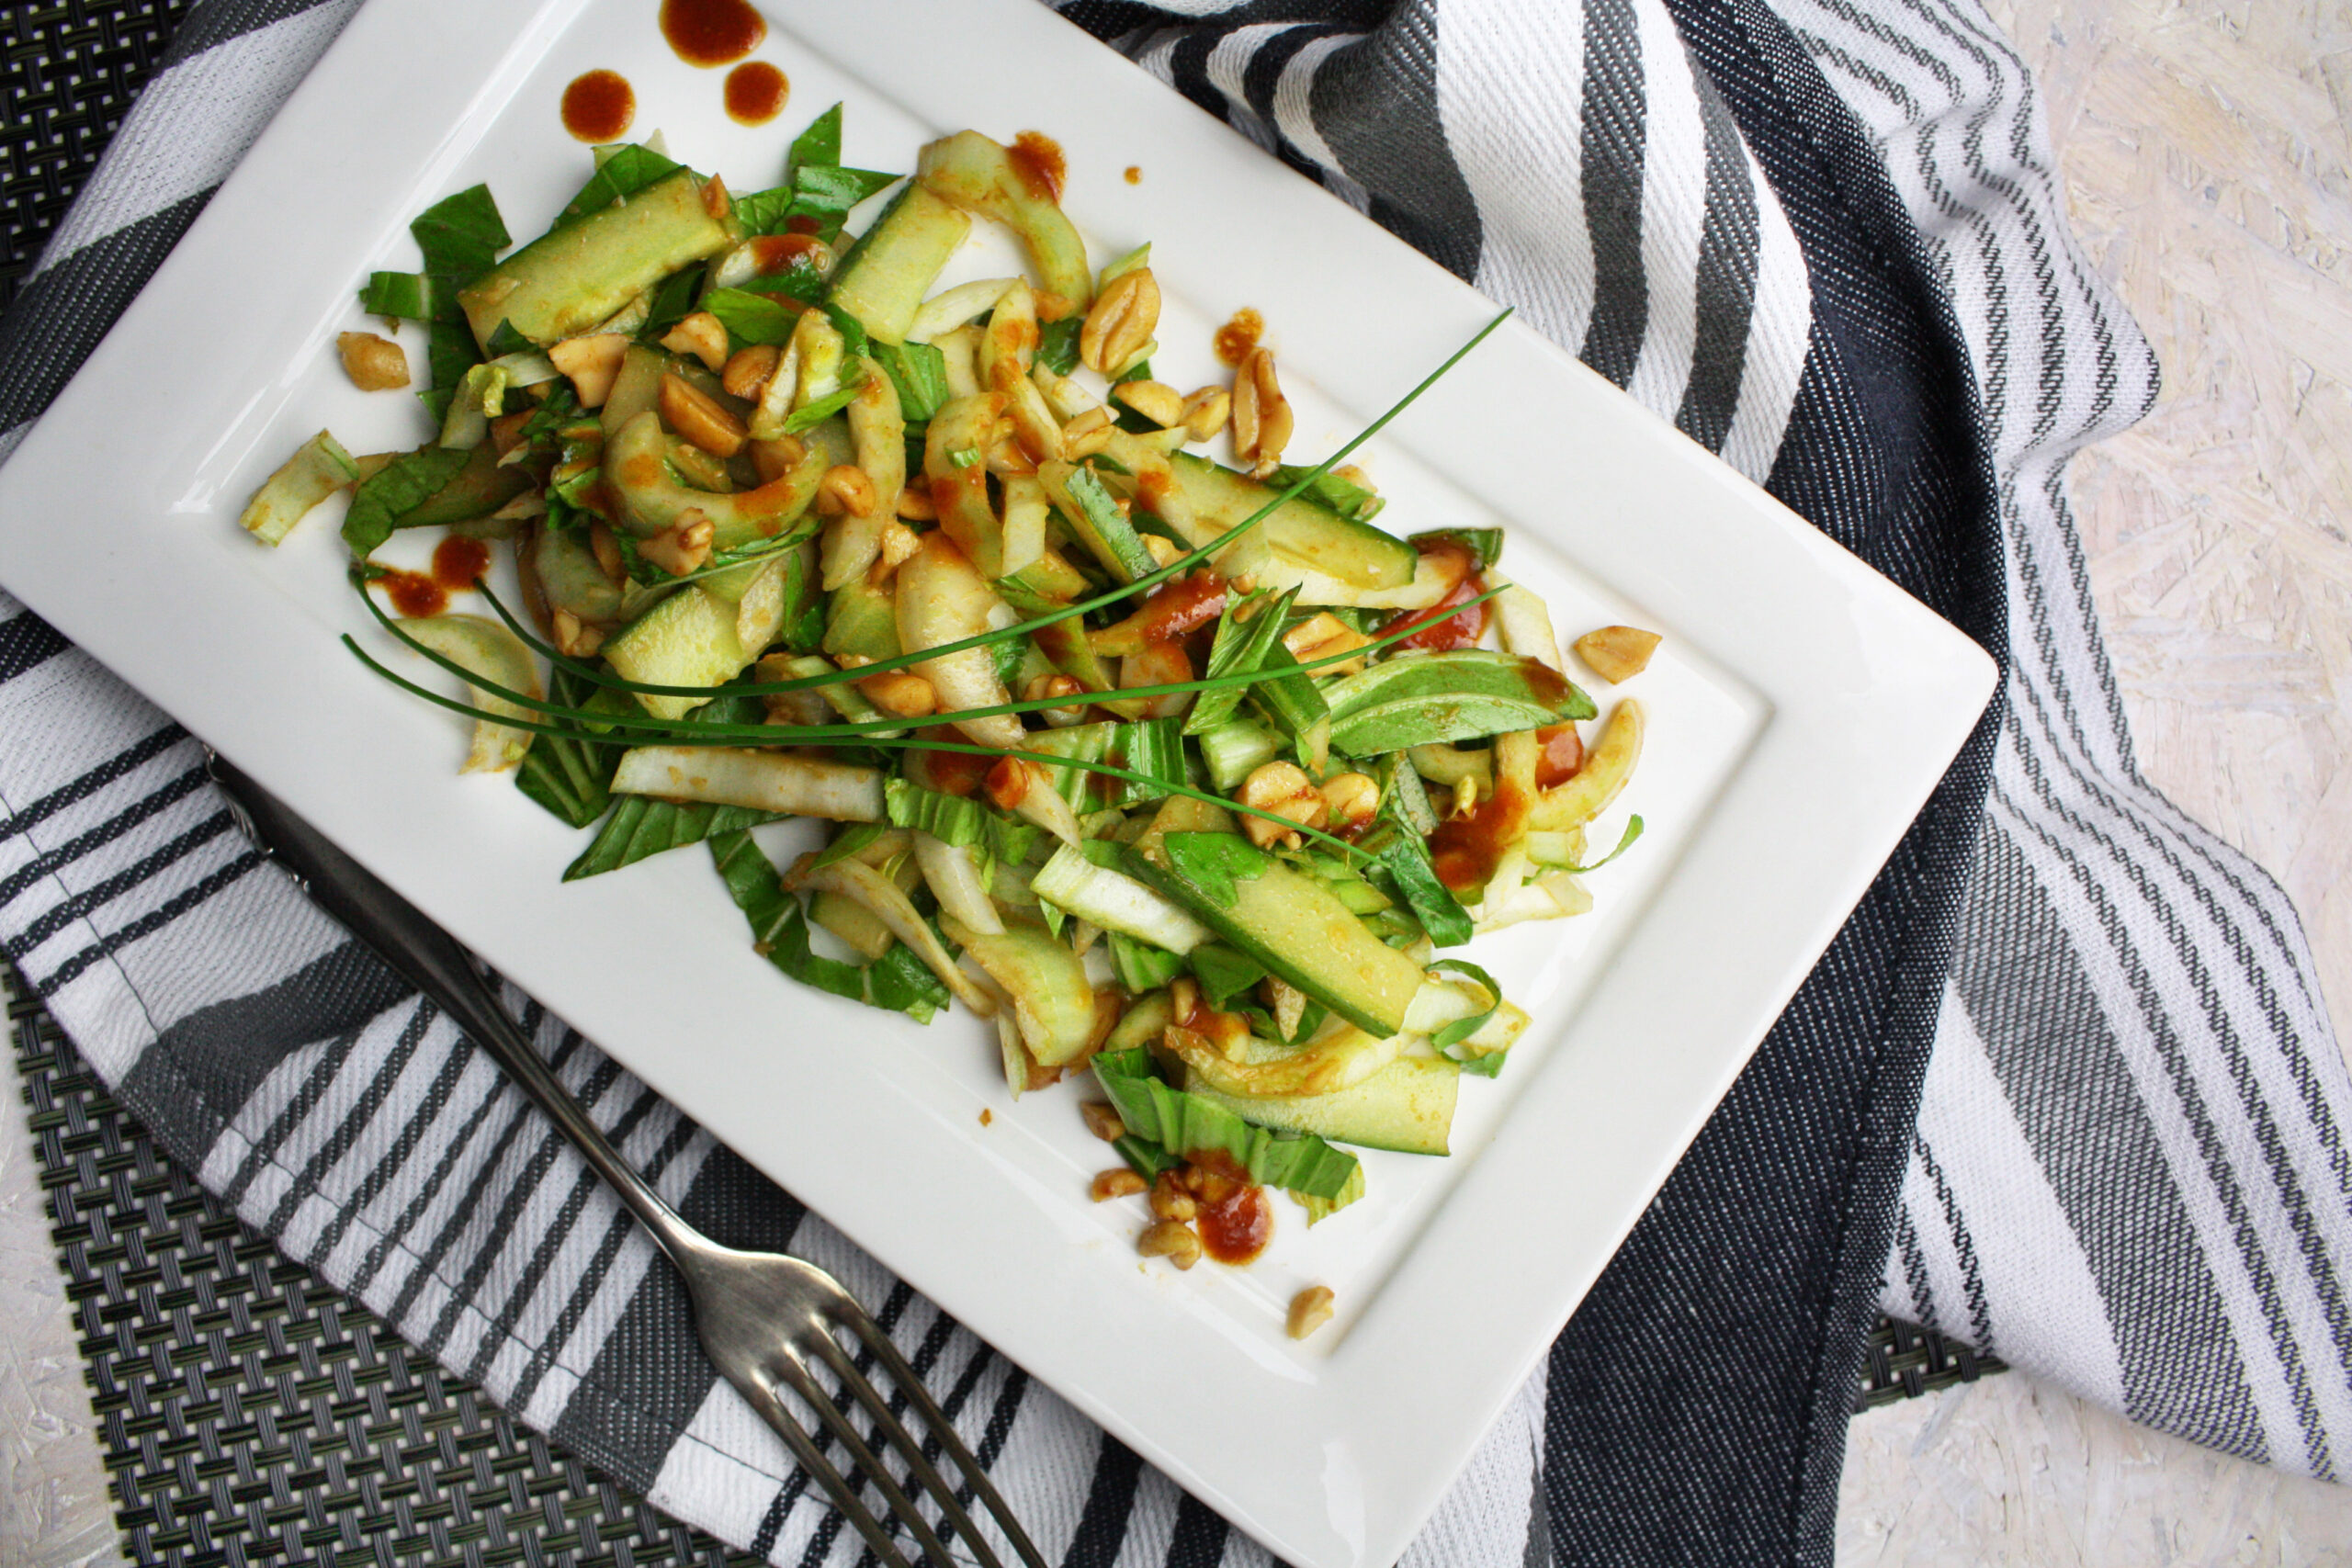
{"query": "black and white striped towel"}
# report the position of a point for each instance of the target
(1825, 242)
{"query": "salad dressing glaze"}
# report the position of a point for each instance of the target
(1039, 159)
(1239, 336)
(457, 564)
(711, 33)
(756, 93)
(598, 105)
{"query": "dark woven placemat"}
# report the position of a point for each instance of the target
(250, 1415)
(67, 75)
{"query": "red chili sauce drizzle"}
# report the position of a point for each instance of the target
(1465, 850)
(1562, 757)
(756, 93)
(1235, 1221)
(458, 565)
(1239, 336)
(598, 105)
(774, 253)
(956, 772)
(1441, 629)
(1176, 610)
(1039, 159)
(712, 32)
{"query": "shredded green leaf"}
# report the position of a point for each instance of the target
(406, 482)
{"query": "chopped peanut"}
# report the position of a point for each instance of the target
(845, 488)
(700, 418)
(915, 503)
(902, 694)
(775, 458)
(1283, 789)
(1617, 653)
(1168, 1239)
(1053, 306)
(1102, 1120)
(701, 336)
(1170, 1200)
(574, 639)
(682, 547)
(1039, 688)
(899, 543)
(592, 362)
(374, 363)
(1118, 1183)
(1156, 401)
(1206, 411)
(1323, 636)
(1120, 322)
(747, 371)
(1352, 799)
(1261, 415)
(1309, 1310)
(1162, 549)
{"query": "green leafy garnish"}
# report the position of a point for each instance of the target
(919, 373)
(569, 775)
(621, 171)
(780, 935)
(402, 485)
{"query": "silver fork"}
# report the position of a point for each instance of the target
(769, 1323)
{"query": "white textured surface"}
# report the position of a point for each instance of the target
(54, 1512)
(2010, 1471)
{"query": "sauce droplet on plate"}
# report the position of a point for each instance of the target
(598, 105)
(1236, 1228)
(1039, 159)
(458, 563)
(756, 92)
(712, 32)
(1135, 175)
(1239, 336)
(413, 594)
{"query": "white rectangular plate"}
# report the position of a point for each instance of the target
(1802, 708)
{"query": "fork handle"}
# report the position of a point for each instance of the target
(434, 962)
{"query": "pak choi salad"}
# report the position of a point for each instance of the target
(1194, 775)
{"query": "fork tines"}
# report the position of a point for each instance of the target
(815, 1359)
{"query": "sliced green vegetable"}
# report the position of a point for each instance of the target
(1191, 1125)
(980, 176)
(1419, 698)
(399, 487)
(1072, 880)
(1139, 966)
(1400, 864)
(1234, 750)
(780, 935)
(1408, 1106)
(1094, 517)
(622, 170)
(576, 275)
(318, 468)
(883, 279)
(1239, 649)
(569, 775)
(1287, 921)
(959, 820)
